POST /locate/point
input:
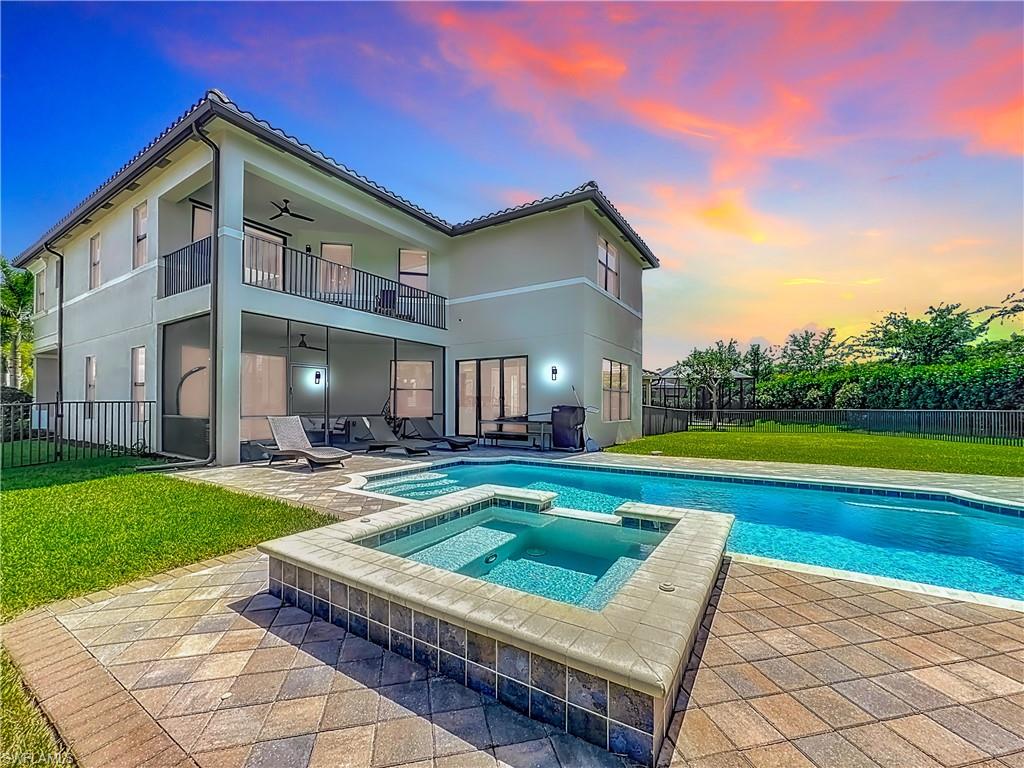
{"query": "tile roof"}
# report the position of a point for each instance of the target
(215, 103)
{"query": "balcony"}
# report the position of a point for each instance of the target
(185, 268)
(270, 265)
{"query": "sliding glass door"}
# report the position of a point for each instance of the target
(489, 389)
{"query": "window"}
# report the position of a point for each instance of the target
(202, 222)
(94, 262)
(140, 231)
(413, 268)
(335, 272)
(90, 385)
(413, 394)
(40, 281)
(489, 389)
(607, 267)
(615, 400)
(138, 383)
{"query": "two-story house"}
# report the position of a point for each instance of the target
(323, 294)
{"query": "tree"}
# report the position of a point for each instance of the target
(944, 334)
(758, 364)
(810, 351)
(708, 368)
(16, 308)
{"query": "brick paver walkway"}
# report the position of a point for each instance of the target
(790, 670)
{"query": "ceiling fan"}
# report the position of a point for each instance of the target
(303, 344)
(284, 210)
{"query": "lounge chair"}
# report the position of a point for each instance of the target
(292, 442)
(426, 430)
(384, 438)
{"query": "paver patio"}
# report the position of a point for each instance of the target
(202, 667)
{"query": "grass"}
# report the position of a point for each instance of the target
(76, 527)
(842, 448)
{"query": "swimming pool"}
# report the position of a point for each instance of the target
(573, 561)
(934, 542)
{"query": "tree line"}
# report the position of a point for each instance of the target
(943, 359)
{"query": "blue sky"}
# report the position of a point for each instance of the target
(793, 166)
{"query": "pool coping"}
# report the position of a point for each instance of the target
(358, 480)
(641, 638)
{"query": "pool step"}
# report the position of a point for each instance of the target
(463, 548)
(583, 514)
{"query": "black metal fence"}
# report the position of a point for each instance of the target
(186, 268)
(1001, 427)
(274, 266)
(43, 433)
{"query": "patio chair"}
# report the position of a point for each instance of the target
(384, 438)
(292, 442)
(426, 430)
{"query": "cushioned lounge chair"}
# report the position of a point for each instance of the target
(384, 438)
(426, 430)
(292, 442)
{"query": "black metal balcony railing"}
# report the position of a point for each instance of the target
(185, 268)
(266, 264)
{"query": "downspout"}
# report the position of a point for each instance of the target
(59, 395)
(214, 283)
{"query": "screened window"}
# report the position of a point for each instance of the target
(140, 232)
(335, 267)
(94, 262)
(40, 282)
(607, 267)
(139, 383)
(413, 394)
(615, 400)
(413, 268)
(90, 385)
(202, 222)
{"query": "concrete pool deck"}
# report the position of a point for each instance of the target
(200, 667)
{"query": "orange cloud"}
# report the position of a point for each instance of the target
(958, 243)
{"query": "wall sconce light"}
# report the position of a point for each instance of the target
(554, 373)
(316, 378)
(309, 248)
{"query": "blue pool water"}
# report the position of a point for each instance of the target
(574, 561)
(933, 542)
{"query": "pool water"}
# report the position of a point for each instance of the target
(932, 542)
(574, 561)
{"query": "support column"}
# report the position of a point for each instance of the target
(229, 314)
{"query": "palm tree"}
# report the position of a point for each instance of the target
(16, 308)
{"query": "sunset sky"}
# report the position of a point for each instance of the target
(793, 166)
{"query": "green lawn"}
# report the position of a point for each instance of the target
(77, 527)
(843, 448)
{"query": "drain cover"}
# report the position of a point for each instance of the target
(667, 586)
(535, 552)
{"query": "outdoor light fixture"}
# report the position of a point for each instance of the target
(554, 373)
(316, 377)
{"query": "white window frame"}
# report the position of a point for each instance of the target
(608, 264)
(39, 279)
(140, 234)
(90, 384)
(404, 274)
(137, 363)
(95, 259)
(614, 386)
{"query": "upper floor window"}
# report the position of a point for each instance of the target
(140, 232)
(607, 267)
(413, 268)
(202, 222)
(90, 384)
(40, 281)
(138, 383)
(94, 262)
(615, 394)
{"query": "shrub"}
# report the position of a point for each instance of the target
(850, 395)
